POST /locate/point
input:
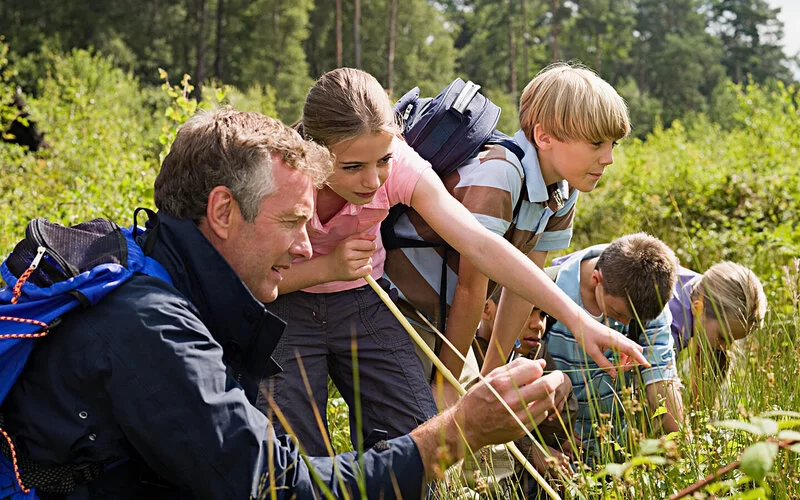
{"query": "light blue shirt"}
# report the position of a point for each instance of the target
(594, 389)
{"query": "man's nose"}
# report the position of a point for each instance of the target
(302, 245)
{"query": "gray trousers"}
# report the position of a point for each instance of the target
(392, 388)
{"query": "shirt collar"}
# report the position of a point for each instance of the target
(379, 202)
(247, 332)
(553, 195)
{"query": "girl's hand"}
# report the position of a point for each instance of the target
(596, 338)
(352, 258)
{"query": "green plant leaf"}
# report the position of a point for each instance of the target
(767, 425)
(757, 460)
(739, 426)
(791, 435)
(660, 411)
(788, 424)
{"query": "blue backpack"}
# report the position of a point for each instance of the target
(447, 130)
(51, 272)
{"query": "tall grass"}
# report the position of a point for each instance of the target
(711, 191)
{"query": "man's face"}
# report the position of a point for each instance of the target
(258, 251)
(582, 163)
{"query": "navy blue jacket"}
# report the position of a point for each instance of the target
(162, 378)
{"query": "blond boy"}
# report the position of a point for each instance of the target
(570, 122)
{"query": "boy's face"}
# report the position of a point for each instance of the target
(616, 308)
(532, 332)
(580, 163)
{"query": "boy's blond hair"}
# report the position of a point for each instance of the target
(731, 291)
(572, 103)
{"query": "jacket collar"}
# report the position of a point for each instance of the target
(247, 332)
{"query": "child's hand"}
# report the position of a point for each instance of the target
(596, 338)
(352, 258)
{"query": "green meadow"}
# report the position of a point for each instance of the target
(721, 185)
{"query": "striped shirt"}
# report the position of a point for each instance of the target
(594, 388)
(489, 186)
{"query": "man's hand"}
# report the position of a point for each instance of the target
(483, 418)
(352, 258)
(596, 338)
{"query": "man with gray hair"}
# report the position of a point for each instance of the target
(157, 381)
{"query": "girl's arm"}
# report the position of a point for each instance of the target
(351, 260)
(499, 260)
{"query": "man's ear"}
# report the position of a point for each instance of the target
(221, 210)
(542, 139)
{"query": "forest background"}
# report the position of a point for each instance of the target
(711, 167)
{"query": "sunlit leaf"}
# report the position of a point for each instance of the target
(616, 470)
(757, 460)
(789, 435)
(650, 447)
(739, 426)
(781, 413)
(767, 425)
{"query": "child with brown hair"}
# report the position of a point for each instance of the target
(626, 285)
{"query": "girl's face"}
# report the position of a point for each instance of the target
(720, 337)
(362, 166)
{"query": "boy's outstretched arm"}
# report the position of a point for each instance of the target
(512, 312)
(502, 262)
(462, 321)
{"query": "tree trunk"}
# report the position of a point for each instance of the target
(390, 56)
(526, 68)
(276, 36)
(512, 52)
(218, 55)
(556, 30)
(200, 67)
(339, 61)
(189, 20)
(357, 32)
(597, 53)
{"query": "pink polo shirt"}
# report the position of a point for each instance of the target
(407, 167)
